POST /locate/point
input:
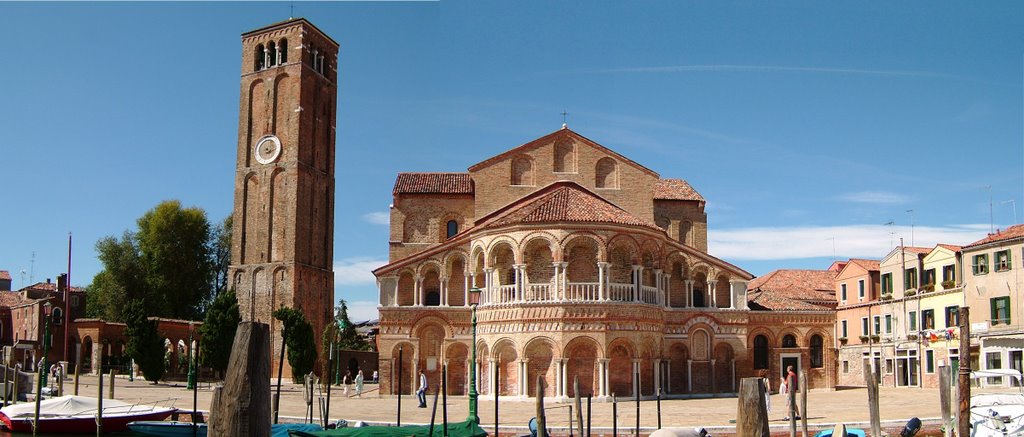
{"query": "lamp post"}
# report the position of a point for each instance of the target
(47, 312)
(474, 294)
(191, 359)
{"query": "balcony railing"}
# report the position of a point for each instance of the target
(572, 292)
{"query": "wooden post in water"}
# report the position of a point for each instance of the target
(579, 406)
(111, 384)
(751, 411)
(803, 403)
(99, 395)
(60, 384)
(964, 376)
(872, 385)
(16, 378)
(242, 406)
(542, 423)
(39, 398)
(944, 400)
(78, 366)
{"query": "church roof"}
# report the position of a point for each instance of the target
(803, 285)
(675, 189)
(562, 201)
(546, 139)
(433, 183)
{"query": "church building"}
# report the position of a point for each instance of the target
(580, 263)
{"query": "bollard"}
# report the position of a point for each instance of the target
(111, 384)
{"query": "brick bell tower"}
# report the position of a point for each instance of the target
(282, 246)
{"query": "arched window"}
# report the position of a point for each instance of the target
(789, 341)
(606, 174)
(259, 57)
(57, 316)
(282, 51)
(272, 54)
(565, 161)
(453, 228)
(433, 298)
(522, 171)
(817, 351)
(760, 352)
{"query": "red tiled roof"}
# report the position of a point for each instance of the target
(804, 285)
(1010, 233)
(5, 275)
(563, 201)
(48, 286)
(675, 189)
(916, 249)
(546, 139)
(433, 183)
(771, 301)
(866, 264)
(952, 247)
(9, 298)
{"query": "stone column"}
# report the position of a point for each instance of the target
(444, 291)
(418, 287)
(666, 280)
(637, 282)
(634, 378)
(657, 375)
(467, 279)
(565, 277)
(395, 291)
(689, 376)
(668, 376)
(602, 377)
(556, 293)
(688, 284)
(519, 282)
(733, 295)
(488, 285)
(712, 300)
(602, 271)
(524, 382)
(732, 373)
(659, 297)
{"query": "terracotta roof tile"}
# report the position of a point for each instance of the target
(952, 247)
(916, 249)
(433, 183)
(804, 285)
(563, 201)
(5, 275)
(770, 301)
(48, 286)
(1010, 233)
(866, 264)
(9, 298)
(675, 189)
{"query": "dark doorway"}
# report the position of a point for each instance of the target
(698, 298)
(795, 362)
(433, 298)
(353, 367)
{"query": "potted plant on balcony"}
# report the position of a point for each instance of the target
(886, 296)
(948, 284)
(864, 339)
(874, 338)
(911, 336)
(929, 287)
(910, 292)
(842, 340)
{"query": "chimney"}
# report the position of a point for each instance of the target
(62, 282)
(47, 280)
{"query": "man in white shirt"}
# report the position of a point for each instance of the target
(421, 392)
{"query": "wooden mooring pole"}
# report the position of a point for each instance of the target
(751, 411)
(579, 405)
(871, 381)
(944, 390)
(964, 376)
(542, 425)
(803, 403)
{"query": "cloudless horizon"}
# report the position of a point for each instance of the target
(807, 126)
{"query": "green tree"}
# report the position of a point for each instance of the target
(298, 339)
(348, 338)
(168, 264)
(143, 343)
(220, 250)
(218, 330)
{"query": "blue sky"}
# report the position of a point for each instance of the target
(804, 124)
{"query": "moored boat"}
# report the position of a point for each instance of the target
(998, 414)
(77, 415)
(150, 428)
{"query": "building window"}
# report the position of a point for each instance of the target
(952, 316)
(929, 277)
(453, 228)
(994, 360)
(259, 57)
(913, 321)
(979, 264)
(57, 316)
(864, 326)
(565, 157)
(888, 323)
(844, 329)
(817, 351)
(1000, 310)
(606, 173)
(760, 352)
(789, 341)
(842, 292)
(887, 283)
(522, 171)
(928, 319)
(282, 51)
(948, 273)
(846, 366)
(910, 278)
(878, 324)
(271, 54)
(74, 301)
(1002, 260)
(954, 360)
(929, 361)
(860, 288)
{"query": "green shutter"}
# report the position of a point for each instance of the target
(995, 311)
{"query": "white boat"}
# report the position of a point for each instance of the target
(77, 414)
(998, 414)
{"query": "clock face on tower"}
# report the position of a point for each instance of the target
(267, 149)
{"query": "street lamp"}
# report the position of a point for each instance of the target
(47, 312)
(191, 359)
(474, 300)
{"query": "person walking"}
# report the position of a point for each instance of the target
(767, 390)
(359, 384)
(791, 384)
(346, 380)
(374, 376)
(421, 392)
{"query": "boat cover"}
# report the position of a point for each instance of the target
(459, 429)
(71, 406)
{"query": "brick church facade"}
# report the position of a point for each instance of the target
(582, 264)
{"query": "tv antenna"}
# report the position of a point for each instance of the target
(32, 269)
(1013, 204)
(892, 233)
(912, 216)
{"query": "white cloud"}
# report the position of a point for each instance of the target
(855, 241)
(362, 310)
(356, 271)
(873, 197)
(377, 218)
